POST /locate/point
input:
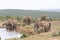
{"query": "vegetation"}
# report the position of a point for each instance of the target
(3, 18)
(56, 33)
(19, 14)
(23, 24)
(23, 35)
(33, 13)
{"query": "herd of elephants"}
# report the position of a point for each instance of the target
(41, 25)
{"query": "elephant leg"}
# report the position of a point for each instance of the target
(35, 29)
(46, 30)
(11, 28)
(7, 28)
(14, 27)
(43, 29)
(39, 30)
(49, 27)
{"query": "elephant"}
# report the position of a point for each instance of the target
(10, 26)
(27, 20)
(43, 18)
(42, 26)
(38, 27)
(46, 25)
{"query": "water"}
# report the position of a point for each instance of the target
(4, 34)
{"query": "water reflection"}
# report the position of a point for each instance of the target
(6, 34)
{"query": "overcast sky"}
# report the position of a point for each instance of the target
(30, 4)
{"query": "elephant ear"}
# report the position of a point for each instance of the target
(3, 24)
(6, 23)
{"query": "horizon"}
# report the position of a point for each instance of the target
(49, 10)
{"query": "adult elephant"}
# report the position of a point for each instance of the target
(10, 26)
(27, 20)
(38, 27)
(46, 25)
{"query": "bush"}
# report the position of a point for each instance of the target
(8, 17)
(56, 33)
(18, 24)
(33, 20)
(59, 32)
(23, 24)
(24, 35)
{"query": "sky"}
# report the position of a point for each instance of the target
(30, 4)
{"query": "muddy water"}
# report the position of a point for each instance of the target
(4, 34)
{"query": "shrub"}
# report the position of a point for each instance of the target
(24, 35)
(33, 21)
(57, 33)
(54, 34)
(8, 17)
(23, 24)
(18, 24)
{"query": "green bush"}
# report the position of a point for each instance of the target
(59, 32)
(18, 24)
(23, 35)
(56, 33)
(33, 20)
(8, 17)
(23, 24)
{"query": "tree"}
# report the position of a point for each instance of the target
(8, 17)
